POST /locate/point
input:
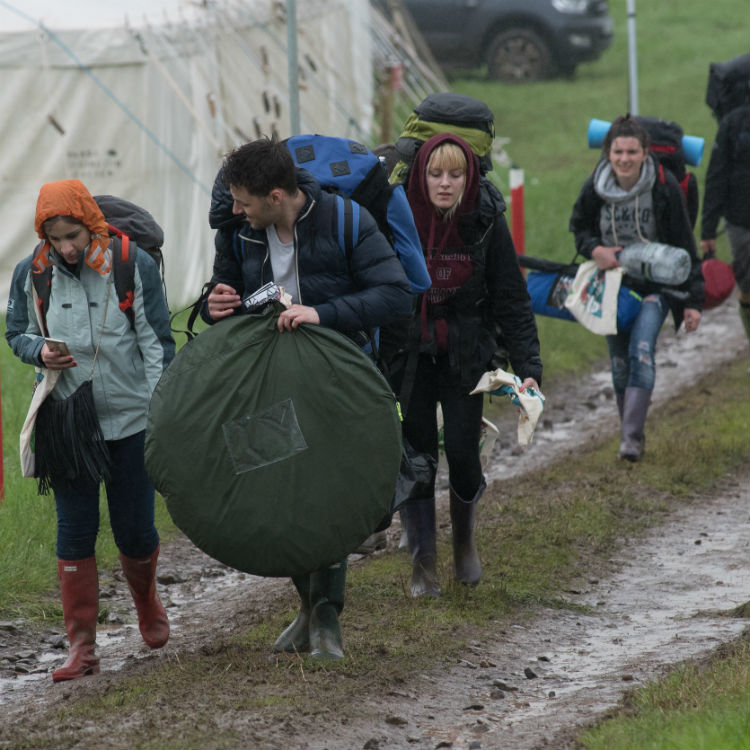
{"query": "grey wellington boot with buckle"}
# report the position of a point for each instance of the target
(634, 410)
(418, 516)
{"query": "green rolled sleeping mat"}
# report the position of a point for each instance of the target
(276, 453)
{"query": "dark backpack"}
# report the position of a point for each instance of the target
(446, 112)
(728, 85)
(666, 148)
(127, 221)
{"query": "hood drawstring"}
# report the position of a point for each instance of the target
(637, 222)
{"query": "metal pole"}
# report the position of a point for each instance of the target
(632, 60)
(291, 43)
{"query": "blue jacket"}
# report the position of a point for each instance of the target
(368, 291)
(130, 360)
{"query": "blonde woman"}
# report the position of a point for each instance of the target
(477, 291)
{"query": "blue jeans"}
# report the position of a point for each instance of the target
(130, 497)
(633, 354)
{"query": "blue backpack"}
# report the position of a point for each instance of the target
(352, 171)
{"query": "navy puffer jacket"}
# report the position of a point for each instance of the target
(368, 291)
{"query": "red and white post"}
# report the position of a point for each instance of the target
(2, 455)
(516, 209)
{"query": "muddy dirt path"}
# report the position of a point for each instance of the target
(649, 614)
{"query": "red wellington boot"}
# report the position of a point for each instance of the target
(152, 617)
(79, 586)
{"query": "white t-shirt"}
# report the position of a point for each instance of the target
(283, 263)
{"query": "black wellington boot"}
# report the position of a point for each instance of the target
(296, 638)
(327, 589)
(467, 565)
(418, 516)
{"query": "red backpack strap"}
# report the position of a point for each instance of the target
(662, 178)
(123, 267)
(42, 282)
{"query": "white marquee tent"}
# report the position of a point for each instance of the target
(141, 99)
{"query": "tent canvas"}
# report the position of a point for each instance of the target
(141, 99)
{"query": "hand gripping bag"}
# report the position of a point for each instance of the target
(276, 453)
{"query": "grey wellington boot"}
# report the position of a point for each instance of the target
(467, 565)
(418, 517)
(296, 638)
(327, 589)
(634, 410)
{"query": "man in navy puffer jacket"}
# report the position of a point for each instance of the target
(274, 223)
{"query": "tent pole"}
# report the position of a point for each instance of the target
(632, 60)
(291, 39)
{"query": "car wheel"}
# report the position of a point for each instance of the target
(518, 55)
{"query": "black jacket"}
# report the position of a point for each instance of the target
(672, 228)
(727, 191)
(491, 318)
(366, 291)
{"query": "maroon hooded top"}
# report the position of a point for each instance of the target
(448, 262)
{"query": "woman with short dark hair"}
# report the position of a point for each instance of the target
(629, 198)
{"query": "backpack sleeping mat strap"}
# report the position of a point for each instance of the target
(276, 453)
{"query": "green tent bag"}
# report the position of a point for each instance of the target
(276, 453)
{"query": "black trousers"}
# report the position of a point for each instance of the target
(434, 383)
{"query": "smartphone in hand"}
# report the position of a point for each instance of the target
(58, 346)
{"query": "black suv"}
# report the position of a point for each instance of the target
(519, 40)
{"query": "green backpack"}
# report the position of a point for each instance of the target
(468, 118)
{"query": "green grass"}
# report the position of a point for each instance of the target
(697, 707)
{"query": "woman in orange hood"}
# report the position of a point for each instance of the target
(105, 372)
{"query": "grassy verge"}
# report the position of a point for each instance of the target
(700, 706)
(538, 535)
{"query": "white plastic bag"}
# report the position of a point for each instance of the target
(592, 299)
(43, 386)
(530, 402)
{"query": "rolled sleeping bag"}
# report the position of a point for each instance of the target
(692, 145)
(656, 262)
